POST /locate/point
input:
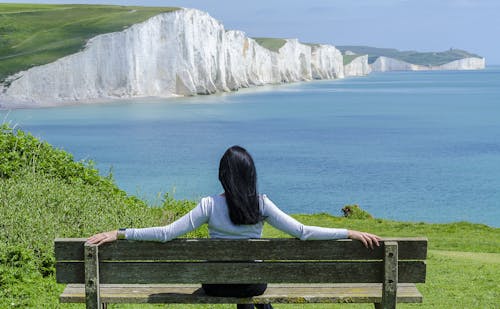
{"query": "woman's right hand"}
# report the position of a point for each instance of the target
(366, 238)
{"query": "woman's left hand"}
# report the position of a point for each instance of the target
(103, 237)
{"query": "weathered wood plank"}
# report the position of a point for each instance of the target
(390, 284)
(247, 272)
(275, 293)
(254, 249)
(92, 296)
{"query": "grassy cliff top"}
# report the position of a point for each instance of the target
(411, 56)
(36, 34)
(273, 44)
(349, 58)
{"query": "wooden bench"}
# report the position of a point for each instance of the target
(321, 271)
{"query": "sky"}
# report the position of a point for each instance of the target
(422, 25)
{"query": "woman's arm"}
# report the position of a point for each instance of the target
(280, 220)
(192, 220)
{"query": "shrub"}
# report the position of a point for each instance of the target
(355, 212)
(20, 150)
(45, 194)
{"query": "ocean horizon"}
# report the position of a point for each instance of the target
(409, 146)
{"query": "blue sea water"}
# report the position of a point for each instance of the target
(415, 146)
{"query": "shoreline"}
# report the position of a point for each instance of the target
(13, 105)
(163, 99)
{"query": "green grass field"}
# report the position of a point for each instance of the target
(45, 194)
(36, 34)
(421, 58)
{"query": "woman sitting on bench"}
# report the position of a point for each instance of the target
(238, 213)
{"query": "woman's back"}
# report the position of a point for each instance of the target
(220, 224)
(213, 210)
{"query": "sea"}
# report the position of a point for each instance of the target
(410, 146)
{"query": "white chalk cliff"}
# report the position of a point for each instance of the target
(185, 52)
(383, 64)
(326, 62)
(357, 67)
(472, 63)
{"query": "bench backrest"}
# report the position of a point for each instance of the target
(233, 261)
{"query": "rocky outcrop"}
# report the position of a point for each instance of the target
(383, 64)
(357, 67)
(185, 52)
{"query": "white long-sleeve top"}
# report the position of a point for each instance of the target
(213, 210)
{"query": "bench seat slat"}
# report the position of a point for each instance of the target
(248, 272)
(254, 249)
(275, 293)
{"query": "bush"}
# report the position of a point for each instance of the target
(355, 212)
(45, 194)
(20, 151)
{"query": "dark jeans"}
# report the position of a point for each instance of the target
(238, 290)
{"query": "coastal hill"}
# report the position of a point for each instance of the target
(57, 54)
(390, 59)
(36, 34)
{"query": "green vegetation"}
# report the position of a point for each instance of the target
(355, 212)
(273, 44)
(421, 58)
(45, 194)
(36, 34)
(349, 58)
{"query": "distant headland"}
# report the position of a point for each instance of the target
(389, 59)
(60, 54)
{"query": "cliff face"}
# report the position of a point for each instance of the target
(463, 64)
(185, 52)
(326, 62)
(357, 67)
(383, 64)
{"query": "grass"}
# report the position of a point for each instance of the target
(420, 58)
(349, 58)
(488, 258)
(45, 194)
(36, 34)
(273, 44)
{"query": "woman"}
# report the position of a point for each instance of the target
(238, 213)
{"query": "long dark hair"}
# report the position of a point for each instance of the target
(238, 177)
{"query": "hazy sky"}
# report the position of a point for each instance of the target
(423, 25)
